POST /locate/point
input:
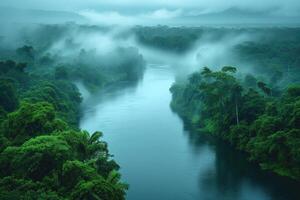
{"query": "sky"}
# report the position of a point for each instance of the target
(145, 11)
(284, 5)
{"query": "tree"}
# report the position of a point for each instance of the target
(266, 90)
(8, 95)
(97, 189)
(253, 105)
(6, 66)
(293, 91)
(61, 73)
(31, 120)
(206, 71)
(267, 128)
(75, 171)
(85, 146)
(36, 158)
(250, 81)
(17, 188)
(229, 69)
(21, 67)
(62, 95)
(26, 53)
(114, 178)
(222, 94)
(237, 91)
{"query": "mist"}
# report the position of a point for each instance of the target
(22, 20)
(120, 17)
(133, 12)
(212, 46)
(143, 100)
(104, 44)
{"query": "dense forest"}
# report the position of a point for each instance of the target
(256, 111)
(149, 100)
(254, 105)
(43, 153)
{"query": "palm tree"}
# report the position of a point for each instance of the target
(114, 178)
(94, 146)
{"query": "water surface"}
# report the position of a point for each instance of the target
(163, 161)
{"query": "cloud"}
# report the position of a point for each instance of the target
(164, 14)
(116, 18)
(108, 17)
(153, 12)
(285, 5)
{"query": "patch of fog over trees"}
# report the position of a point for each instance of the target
(43, 153)
(43, 66)
(252, 98)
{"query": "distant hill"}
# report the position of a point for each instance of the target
(241, 16)
(230, 16)
(14, 15)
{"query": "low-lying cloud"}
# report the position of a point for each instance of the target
(153, 12)
(117, 18)
(163, 14)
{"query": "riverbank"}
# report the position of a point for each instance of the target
(264, 126)
(162, 159)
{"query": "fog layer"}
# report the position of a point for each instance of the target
(133, 12)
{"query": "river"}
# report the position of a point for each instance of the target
(161, 160)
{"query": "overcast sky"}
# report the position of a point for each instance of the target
(285, 5)
(137, 11)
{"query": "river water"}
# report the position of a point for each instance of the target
(163, 161)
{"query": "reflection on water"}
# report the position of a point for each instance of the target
(163, 161)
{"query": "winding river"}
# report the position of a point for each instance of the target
(163, 161)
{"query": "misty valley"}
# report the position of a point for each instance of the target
(149, 112)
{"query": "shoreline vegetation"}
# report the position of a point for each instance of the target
(245, 113)
(254, 106)
(43, 153)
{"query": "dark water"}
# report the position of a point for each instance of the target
(161, 160)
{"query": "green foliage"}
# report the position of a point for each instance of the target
(26, 53)
(293, 91)
(267, 128)
(97, 189)
(61, 73)
(84, 182)
(43, 154)
(124, 64)
(63, 96)
(253, 105)
(36, 158)
(10, 65)
(229, 69)
(14, 71)
(31, 120)
(105, 166)
(275, 55)
(15, 188)
(264, 88)
(177, 40)
(250, 81)
(53, 159)
(8, 95)
(85, 146)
